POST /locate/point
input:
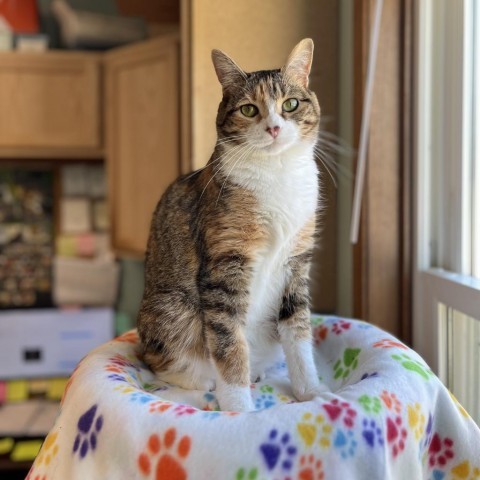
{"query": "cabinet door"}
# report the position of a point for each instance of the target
(142, 120)
(50, 101)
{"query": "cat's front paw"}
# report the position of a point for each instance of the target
(233, 398)
(309, 392)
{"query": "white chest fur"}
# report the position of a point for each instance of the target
(287, 190)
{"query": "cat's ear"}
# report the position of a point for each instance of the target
(228, 72)
(299, 62)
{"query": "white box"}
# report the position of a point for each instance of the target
(50, 342)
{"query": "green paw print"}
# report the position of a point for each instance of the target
(343, 367)
(414, 366)
(370, 404)
(242, 474)
(266, 389)
(317, 320)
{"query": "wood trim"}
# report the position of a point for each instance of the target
(186, 87)
(383, 258)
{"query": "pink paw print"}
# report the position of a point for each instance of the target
(440, 451)
(341, 410)
(396, 435)
(184, 410)
(341, 326)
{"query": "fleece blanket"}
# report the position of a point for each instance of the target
(387, 417)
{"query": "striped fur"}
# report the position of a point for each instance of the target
(230, 245)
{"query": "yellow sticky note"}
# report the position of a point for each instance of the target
(26, 451)
(56, 387)
(6, 445)
(17, 390)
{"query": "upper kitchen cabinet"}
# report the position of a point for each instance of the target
(142, 108)
(50, 105)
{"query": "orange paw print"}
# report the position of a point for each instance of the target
(389, 343)
(310, 468)
(391, 401)
(163, 458)
(160, 406)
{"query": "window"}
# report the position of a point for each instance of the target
(447, 278)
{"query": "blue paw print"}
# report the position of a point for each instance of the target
(366, 376)
(141, 397)
(372, 433)
(117, 378)
(345, 443)
(265, 400)
(438, 475)
(278, 451)
(89, 426)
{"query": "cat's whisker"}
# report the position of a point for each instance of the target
(247, 151)
(334, 163)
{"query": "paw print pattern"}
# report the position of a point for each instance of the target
(459, 406)
(391, 401)
(389, 343)
(266, 388)
(370, 404)
(366, 376)
(310, 468)
(414, 366)
(163, 458)
(345, 443)
(345, 365)
(265, 401)
(416, 420)
(142, 397)
(315, 429)
(396, 435)
(341, 326)
(49, 450)
(211, 403)
(465, 471)
(337, 410)
(243, 474)
(184, 410)
(440, 451)
(372, 433)
(159, 406)
(320, 333)
(278, 451)
(89, 426)
(317, 320)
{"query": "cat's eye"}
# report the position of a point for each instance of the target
(290, 105)
(249, 110)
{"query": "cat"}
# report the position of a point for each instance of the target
(228, 256)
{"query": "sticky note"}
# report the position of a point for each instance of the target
(26, 450)
(66, 246)
(6, 445)
(56, 387)
(86, 245)
(37, 387)
(17, 390)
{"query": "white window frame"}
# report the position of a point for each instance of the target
(444, 114)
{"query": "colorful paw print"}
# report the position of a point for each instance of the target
(163, 458)
(391, 401)
(465, 471)
(440, 451)
(89, 426)
(211, 403)
(416, 420)
(49, 450)
(320, 333)
(182, 409)
(243, 474)
(344, 441)
(314, 429)
(341, 326)
(160, 406)
(396, 435)
(372, 433)
(266, 400)
(370, 404)
(310, 468)
(278, 451)
(337, 410)
(317, 320)
(414, 366)
(345, 365)
(142, 397)
(389, 343)
(459, 406)
(266, 388)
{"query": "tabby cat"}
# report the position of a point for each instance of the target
(227, 262)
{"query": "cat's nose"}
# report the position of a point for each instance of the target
(273, 131)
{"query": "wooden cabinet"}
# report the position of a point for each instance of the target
(50, 104)
(142, 119)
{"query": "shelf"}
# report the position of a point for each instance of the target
(46, 153)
